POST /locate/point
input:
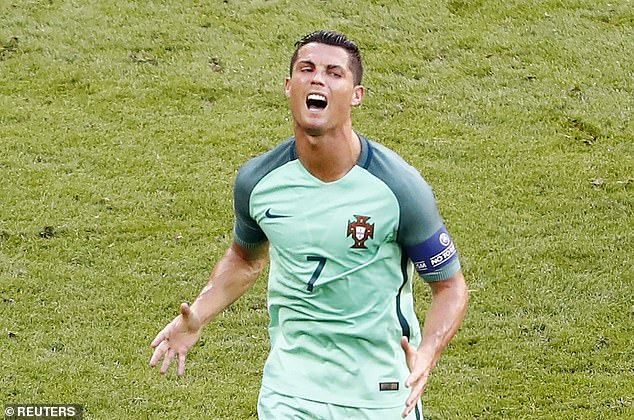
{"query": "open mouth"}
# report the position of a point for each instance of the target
(316, 102)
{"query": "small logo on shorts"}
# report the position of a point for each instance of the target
(388, 386)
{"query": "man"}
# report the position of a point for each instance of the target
(341, 218)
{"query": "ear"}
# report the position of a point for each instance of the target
(357, 95)
(287, 87)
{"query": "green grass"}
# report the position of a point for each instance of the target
(122, 125)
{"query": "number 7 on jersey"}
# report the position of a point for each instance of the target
(321, 261)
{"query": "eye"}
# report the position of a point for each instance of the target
(336, 73)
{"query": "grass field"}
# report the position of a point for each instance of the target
(122, 125)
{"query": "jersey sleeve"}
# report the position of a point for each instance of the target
(424, 236)
(421, 232)
(246, 231)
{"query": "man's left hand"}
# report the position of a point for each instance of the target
(419, 366)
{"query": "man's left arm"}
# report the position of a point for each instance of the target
(448, 308)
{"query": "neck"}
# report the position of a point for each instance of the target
(330, 156)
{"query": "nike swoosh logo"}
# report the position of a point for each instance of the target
(273, 215)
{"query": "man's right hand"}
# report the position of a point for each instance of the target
(176, 339)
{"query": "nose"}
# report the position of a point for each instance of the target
(318, 78)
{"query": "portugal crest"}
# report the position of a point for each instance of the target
(361, 231)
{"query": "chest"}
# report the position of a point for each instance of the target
(300, 215)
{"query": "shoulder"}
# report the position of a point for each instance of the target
(418, 214)
(401, 177)
(258, 167)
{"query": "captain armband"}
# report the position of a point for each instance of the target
(433, 254)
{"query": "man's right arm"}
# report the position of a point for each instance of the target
(232, 276)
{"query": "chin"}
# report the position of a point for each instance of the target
(313, 129)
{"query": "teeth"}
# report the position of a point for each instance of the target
(317, 97)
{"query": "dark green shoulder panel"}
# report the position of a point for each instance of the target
(419, 217)
(246, 232)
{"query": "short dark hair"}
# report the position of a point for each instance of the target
(338, 40)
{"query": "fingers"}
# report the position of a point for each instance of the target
(167, 361)
(189, 317)
(405, 344)
(418, 385)
(407, 347)
(415, 393)
(158, 339)
(181, 364)
(410, 353)
(185, 310)
(158, 353)
(417, 375)
(165, 352)
(410, 379)
(408, 410)
(176, 331)
(414, 397)
(416, 381)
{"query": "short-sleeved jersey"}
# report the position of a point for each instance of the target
(341, 253)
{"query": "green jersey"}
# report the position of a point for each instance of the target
(342, 255)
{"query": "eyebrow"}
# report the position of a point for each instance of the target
(329, 66)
